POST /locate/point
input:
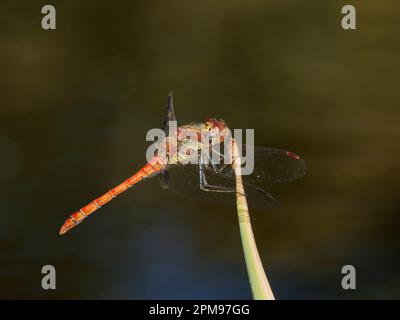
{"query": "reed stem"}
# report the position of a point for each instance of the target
(260, 288)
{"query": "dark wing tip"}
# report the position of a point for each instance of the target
(170, 113)
(170, 103)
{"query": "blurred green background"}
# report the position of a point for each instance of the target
(76, 104)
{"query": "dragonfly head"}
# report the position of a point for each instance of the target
(214, 123)
(216, 127)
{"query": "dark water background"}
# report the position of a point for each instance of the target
(77, 102)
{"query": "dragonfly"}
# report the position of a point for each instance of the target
(209, 182)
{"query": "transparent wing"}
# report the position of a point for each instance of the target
(185, 180)
(271, 166)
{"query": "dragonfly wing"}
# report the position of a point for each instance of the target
(184, 180)
(271, 166)
(169, 116)
(170, 113)
(163, 177)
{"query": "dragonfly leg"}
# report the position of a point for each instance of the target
(205, 186)
(216, 169)
(222, 158)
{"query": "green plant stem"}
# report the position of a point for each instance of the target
(260, 288)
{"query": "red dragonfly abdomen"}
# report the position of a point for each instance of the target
(152, 167)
